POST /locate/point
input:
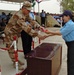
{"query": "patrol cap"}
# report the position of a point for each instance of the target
(27, 5)
(66, 13)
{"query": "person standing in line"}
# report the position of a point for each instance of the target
(43, 17)
(16, 24)
(26, 38)
(67, 32)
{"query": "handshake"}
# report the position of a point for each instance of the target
(41, 35)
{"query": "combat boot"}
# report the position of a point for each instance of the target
(21, 63)
(19, 66)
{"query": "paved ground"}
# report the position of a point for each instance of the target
(6, 63)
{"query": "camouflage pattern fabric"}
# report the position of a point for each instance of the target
(16, 24)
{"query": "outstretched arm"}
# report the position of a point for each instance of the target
(53, 32)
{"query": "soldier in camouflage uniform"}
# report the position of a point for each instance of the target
(16, 24)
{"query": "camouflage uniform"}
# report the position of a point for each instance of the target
(16, 24)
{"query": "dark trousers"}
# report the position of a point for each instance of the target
(42, 20)
(70, 58)
(26, 42)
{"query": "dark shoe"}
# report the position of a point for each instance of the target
(29, 54)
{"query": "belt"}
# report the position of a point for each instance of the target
(69, 43)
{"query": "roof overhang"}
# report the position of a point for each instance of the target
(18, 1)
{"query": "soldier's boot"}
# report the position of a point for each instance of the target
(19, 66)
(11, 55)
(21, 63)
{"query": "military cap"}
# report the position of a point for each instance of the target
(66, 13)
(27, 5)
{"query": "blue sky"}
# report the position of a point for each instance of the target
(51, 6)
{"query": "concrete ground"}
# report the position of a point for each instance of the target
(6, 63)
